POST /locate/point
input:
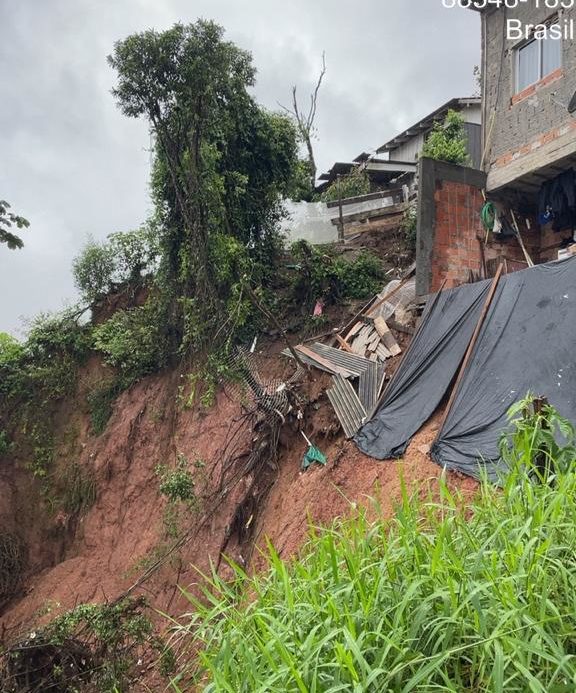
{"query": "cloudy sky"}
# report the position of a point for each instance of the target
(74, 166)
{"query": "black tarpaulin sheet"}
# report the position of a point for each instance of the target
(527, 344)
(426, 371)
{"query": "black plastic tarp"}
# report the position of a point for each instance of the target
(426, 371)
(527, 344)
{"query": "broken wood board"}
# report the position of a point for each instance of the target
(347, 406)
(387, 337)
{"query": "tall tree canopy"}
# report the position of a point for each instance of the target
(222, 164)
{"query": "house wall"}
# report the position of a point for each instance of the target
(529, 126)
(449, 228)
(411, 150)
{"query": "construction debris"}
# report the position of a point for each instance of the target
(358, 364)
(347, 405)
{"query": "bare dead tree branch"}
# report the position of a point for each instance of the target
(305, 120)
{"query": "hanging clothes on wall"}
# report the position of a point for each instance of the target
(557, 201)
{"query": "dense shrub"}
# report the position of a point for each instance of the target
(125, 257)
(45, 366)
(133, 340)
(445, 596)
(322, 273)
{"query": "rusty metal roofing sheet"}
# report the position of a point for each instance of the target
(347, 406)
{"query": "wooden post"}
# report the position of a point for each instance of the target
(340, 213)
(483, 314)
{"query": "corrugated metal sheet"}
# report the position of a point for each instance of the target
(311, 361)
(323, 363)
(381, 379)
(345, 364)
(347, 406)
(351, 362)
(368, 387)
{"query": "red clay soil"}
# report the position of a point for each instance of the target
(98, 557)
(349, 479)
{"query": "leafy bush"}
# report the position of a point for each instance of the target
(91, 647)
(93, 270)
(177, 484)
(134, 340)
(44, 368)
(124, 258)
(324, 274)
(10, 349)
(448, 595)
(447, 141)
(351, 185)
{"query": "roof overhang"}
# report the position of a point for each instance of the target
(526, 174)
(427, 123)
(378, 165)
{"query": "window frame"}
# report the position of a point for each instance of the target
(517, 51)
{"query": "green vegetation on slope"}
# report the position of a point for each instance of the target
(443, 597)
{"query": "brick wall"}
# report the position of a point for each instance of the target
(449, 204)
(456, 250)
(449, 226)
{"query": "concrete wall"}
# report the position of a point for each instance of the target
(312, 221)
(517, 125)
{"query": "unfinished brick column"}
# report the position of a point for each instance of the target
(449, 223)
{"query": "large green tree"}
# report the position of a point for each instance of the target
(8, 220)
(222, 164)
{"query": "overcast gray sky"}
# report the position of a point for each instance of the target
(74, 166)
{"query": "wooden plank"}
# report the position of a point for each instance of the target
(354, 331)
(387, 211)
(365, 198)
(344, 344)
(387, 337)
(374, 342)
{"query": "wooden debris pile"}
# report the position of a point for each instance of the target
(357, 363)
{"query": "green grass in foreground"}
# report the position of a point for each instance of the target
(438, 599)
